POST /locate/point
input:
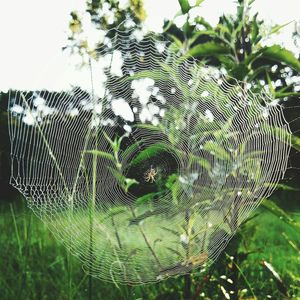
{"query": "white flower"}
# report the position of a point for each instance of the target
(39, 101)
(127, 128)
(17, 109)
(98, 108)
(184, 238)
(74, 112)
(209, 116)
(142, 89)
(160, 46)
(159, 277)
(204, 94)
(121, 108)
(123, 4)
(230, 280)
(227, 296)
(29, 118)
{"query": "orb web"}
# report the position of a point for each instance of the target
(148, 170)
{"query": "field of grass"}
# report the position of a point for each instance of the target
(34, 265)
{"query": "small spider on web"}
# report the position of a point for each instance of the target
(150, 175)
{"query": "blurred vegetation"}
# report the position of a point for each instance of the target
(262, 261)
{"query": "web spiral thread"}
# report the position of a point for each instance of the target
(149, 172)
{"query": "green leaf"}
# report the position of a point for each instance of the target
(114, 211)
(113, 144)
(205, 164)
(229, 23)
(146, 198)
(254, 73)
(147, 214)
(208, 49)
(271, 88)
(295, 140)
(237, 31)
(124, 182)
(239, 71)
(117, 174)
(254, 30)
(198, 2)
(282, 186)
(185, 6)
(174, 232)
(130, 150)
(277, 28)
(176, 40)
(210, 33)
(100, 153)
(227, 61)
(149, 152)
(173, 185)
(202, 21)
(155, 74)
(279, 95)
(174, 251)
(217, 150)
(281, 55)
(128, 182)
(250, 58)
(223, 29)
(284, 135)
(276, 210)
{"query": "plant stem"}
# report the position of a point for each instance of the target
(116, 232)
(146, 240)
(243, 275)
(91, 217)
(69, 259)
(187, 286)
(187, 277)
(16, 230)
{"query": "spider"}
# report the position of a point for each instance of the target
(150, 175)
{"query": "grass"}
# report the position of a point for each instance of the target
(277, 243)
(34, 265)
(122, 247)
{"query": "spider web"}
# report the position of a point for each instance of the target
(215, 150)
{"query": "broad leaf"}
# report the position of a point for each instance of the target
(176, 40)
(281, 55)
(114, 211)
(185, 6)
(130, 150)
(216, 150)
(149, 152)
(254, 30)
(148, 197)
(276, 210)
(295, 142)
(205, 164)
(279, 95)
(139, 218)
(208, 49)
(282, 186)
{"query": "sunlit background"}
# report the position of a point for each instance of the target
(33, 33)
